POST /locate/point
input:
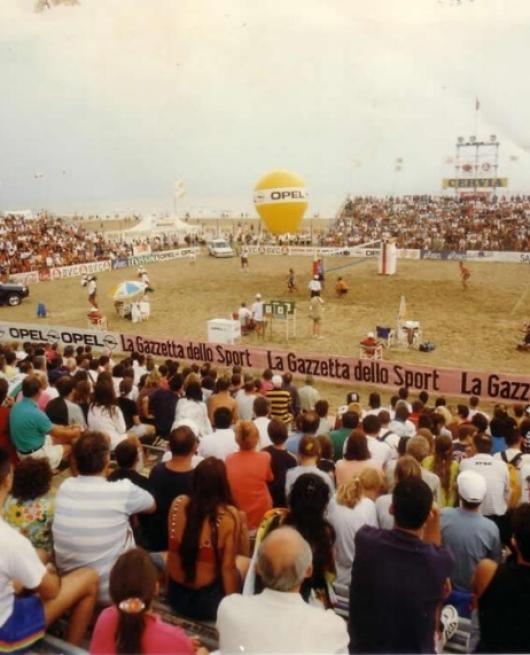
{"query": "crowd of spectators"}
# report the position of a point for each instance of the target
(434, 222)
(262, 509)
(46, 241)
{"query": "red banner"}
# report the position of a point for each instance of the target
(331, 368)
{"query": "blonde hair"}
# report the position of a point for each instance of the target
(191, 377)
(407, 467)
(247, 435)
(351, 492)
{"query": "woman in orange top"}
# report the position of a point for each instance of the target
(248, 472)
(208, 544)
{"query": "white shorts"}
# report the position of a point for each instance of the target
(50, 451)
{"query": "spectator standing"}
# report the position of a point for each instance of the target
(308, 394)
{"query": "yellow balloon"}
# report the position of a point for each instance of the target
(280, 198)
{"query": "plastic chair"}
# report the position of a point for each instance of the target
(386, 335)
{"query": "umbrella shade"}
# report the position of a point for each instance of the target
(128, 290)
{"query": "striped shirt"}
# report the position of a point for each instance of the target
(280, 401)
(91, 524)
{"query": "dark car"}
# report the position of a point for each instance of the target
(12, 294)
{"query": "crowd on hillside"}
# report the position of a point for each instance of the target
(435, 222)
(263, 510)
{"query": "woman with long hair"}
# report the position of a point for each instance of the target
(443, 464)
(406, 467)
(307, 505)
(129, 626)
(105, 416)
(193, 407)
(208, 544)
(357, 458)
(354, 507)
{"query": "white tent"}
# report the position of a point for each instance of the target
(154, 226)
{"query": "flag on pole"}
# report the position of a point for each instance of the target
(402, 311)
(179, 189)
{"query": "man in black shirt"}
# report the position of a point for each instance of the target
(167, 481)
(281, 461)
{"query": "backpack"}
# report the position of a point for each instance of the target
(515, 480)
(384, 436)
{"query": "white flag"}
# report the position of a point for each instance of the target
(402, 312)
(179, 189)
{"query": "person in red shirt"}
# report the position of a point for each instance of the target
(5, 439)
(248, 472)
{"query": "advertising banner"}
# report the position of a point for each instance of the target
(79, 269)
(120, 262)
(330, 368)
(142, 260)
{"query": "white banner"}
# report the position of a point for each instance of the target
(498, 256)
(79, 269)
(25, 278)
(305, 251)
(279, 195)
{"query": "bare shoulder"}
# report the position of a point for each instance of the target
(484, 573)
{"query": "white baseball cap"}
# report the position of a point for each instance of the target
(471, 486)
(258, 295)
(276, 381)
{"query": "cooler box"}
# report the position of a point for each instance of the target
(223, 330)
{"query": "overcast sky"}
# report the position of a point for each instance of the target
(105, 104)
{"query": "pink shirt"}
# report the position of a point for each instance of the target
(158, 638)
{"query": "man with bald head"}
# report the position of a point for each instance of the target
(278, 620)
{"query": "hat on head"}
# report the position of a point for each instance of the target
(315, 277)
(258, 296)
(276, 381)
(471, 486)
(370, 335)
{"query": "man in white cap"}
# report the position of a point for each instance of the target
(315, 286)
(257, 315)
(280, 401)
(469, 535)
